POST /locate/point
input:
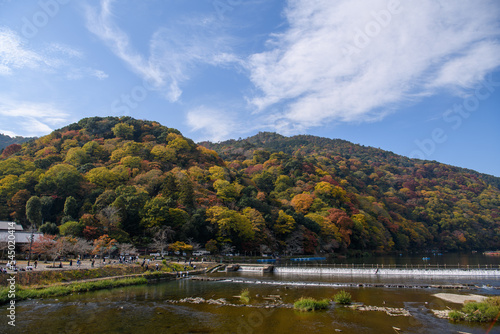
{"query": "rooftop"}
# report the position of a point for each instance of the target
(5, 226)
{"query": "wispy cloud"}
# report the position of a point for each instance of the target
(79, 73)
(14, 55)
(214, 124)
(30, 118)
(57, 58)
(344, 60)
(175, 49)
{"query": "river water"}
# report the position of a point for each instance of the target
(156, 308)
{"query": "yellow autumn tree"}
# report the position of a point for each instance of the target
(302, 202)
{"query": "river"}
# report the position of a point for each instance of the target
(156, 308)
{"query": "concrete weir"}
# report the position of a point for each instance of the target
(266, 268)
(388, 272)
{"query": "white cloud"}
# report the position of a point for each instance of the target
(101, 24)
(16, 55)
(7, 133)
(173, 53)
(65, 50)
(216, 125)
(29, 118)
(354, 60)
(79, 73)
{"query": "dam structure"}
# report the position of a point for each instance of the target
(387, 271)
(372, 271)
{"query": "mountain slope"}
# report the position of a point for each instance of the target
(7, 140)
(268, 193)
(307, 144)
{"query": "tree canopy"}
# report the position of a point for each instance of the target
(127, 179)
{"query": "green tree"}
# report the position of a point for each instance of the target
(61, 179)
(49, 228)
(130, 201)
(71, 207)
(123, 130)
(155, 212)
(72, 228)
(76, 156)
(226, 191)
(231, 225)
(105, 178)
(284, 224)
(93, 150)
(34, 211)
(264, 181)
(186, 193)
(47, 204)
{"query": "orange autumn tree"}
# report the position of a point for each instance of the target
(343, 222)
(302, 202)
(44, 245)
(102, 245)
(53, 247)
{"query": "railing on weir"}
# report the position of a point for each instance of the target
(388, 266)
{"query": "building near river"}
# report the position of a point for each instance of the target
(22, 236)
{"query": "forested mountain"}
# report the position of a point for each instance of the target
(7, 140)
(268, 193)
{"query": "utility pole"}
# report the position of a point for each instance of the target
(31, 240)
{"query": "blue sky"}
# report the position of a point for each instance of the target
(421, 79)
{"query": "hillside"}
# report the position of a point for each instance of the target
(7, 140)
(306, 144)
(268, 193)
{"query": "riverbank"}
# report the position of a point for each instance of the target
(46, 275)
(23, 293)
(46, 283)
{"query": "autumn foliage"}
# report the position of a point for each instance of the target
(267, 193)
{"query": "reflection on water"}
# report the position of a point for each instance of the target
(145, 309)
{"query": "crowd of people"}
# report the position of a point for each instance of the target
(146, 263)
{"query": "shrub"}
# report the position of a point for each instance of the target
(485, 311)
(311, 304)
(343, 297)
(480, 312)
(493, 301)
(176, 267)
(245, 296)
(455, 315)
